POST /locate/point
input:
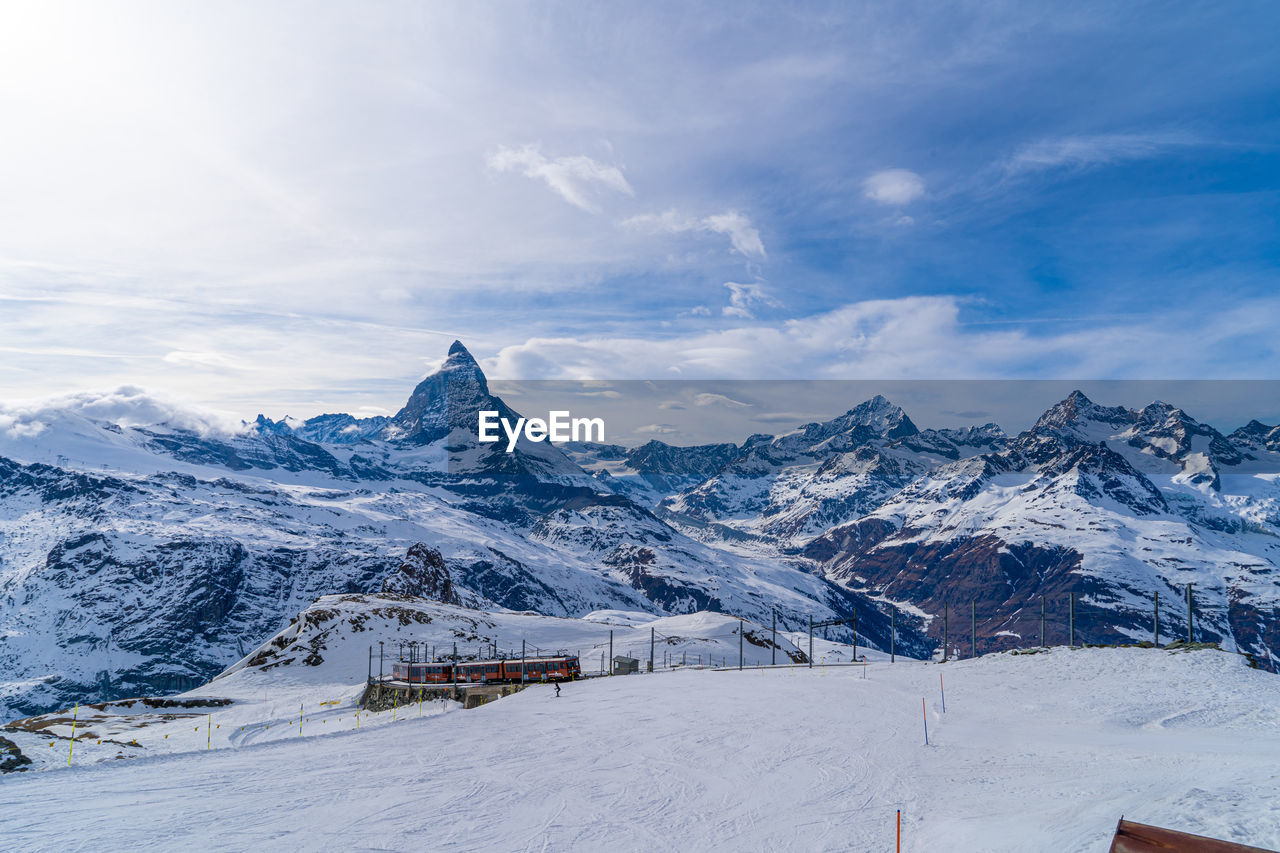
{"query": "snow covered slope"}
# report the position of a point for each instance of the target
(321, 659)
(1033, 753)
(140, 558)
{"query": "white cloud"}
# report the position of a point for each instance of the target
(656, 429)
(913, 337)
(743, 236)
(743, 296)
(127, 406)
(214, 360)
(573, 178)
(710, 399)
(1084, 151)
(894, 186)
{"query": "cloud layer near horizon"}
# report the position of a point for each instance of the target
(915, 338)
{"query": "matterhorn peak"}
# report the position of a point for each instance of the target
(458, 385)
(459, 354)
(459, 361)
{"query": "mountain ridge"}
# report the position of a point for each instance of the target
(139, 558)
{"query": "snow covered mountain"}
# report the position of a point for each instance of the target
(1112, 504)
(143, 548)
(789, 488)
(141, 555)
(654, 470)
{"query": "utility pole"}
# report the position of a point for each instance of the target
(611, 652)
(522, 663)
(1157, 631)
(811, 641)
(370, 679)
(651, 633)
(1190, 634)
(1042, 621)
(946, 630)
(855, 635)
(740, 633)
(379, 660)
(1071, 620)
(893, 631)
(973, 637)
(774, 660)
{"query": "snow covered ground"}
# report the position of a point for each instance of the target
(1033, 752)
(312, 673)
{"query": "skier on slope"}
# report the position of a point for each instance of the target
(557, 691)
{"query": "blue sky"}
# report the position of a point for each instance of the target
(295, 208)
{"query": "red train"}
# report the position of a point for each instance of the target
(489, 671)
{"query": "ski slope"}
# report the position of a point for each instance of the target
(1033, 752)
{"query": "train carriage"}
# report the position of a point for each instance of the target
(563, 668)
(480, 671)
(541, 669)
(423, 673)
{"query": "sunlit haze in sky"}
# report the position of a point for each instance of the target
(295, 207)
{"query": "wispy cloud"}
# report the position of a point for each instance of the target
(575, 178)
(743, 236)
(743, 297)
(708, 398)
(656, 429)
(915, 337)
(1097, 150)
(893, 186)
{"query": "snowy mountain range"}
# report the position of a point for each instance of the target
(139, 557)
(144, 550)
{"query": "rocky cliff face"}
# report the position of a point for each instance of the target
(423, 574)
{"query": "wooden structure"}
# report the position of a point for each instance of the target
(1133, 837)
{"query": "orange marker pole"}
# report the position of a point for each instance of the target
(899, 830)
(944, 693)
(925, 715)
